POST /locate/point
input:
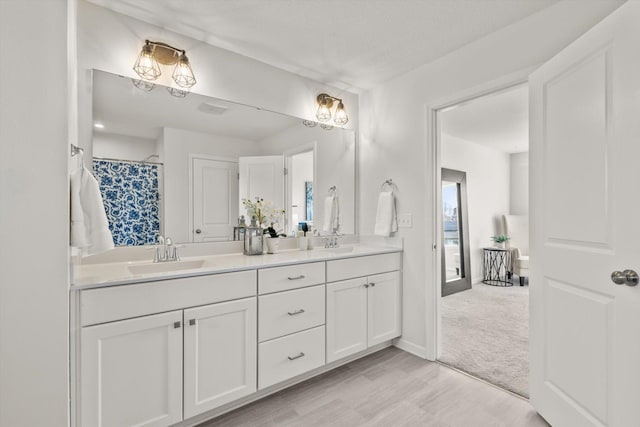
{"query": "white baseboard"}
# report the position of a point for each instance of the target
(410, 347)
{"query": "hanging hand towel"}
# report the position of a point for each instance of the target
(331, 220)
(386, 217)
(89, 225)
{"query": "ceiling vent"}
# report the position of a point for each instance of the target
(208, 108)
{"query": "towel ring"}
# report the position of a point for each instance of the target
(332, 190)
(390, 183)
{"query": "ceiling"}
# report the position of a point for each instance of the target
(499, 121)
(124, 109)
(350, 44)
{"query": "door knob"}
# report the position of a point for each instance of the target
(198, 231)
(626, 277)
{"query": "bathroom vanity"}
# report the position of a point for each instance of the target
(165, 345)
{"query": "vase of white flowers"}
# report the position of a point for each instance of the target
(265, 217)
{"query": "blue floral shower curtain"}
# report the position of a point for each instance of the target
(131, 199)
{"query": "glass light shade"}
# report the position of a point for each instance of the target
(340, 118)
(323, 114)
(178, 93)
(182, 74)
(146, 65)
(143, 85)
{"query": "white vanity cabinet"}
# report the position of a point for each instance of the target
(153, 369)
(365, 310)
(158, 353)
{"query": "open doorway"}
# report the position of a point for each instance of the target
(484, 326)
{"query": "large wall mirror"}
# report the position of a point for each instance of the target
(180, 166)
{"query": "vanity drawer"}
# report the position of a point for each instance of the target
(350, 268)
(284, 313)
(290, 277)
(127, 301)
(287, 357)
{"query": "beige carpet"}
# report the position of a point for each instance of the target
(485, 332)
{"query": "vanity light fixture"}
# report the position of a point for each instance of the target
(325, 103)
(155, 53)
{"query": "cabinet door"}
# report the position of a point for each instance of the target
(383, 312)
(220, 344)
(346, 318)
(132, 372)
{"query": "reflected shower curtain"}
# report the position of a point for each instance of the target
(131, 198)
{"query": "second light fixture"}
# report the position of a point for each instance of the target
(325, 103)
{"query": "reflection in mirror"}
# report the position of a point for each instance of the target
(455, 232)
(180, 167)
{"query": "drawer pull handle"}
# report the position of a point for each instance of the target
(296, 357)
(297, 277)
(293, 313)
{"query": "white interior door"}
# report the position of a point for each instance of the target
(215, 200)
(262, 176)
(585, 146)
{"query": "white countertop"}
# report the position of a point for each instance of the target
(118, 273)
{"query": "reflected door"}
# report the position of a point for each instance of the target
(456, 274)
(261, 176)
(214, 195)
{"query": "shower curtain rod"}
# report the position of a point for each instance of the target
(140, 162)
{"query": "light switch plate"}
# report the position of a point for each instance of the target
(405, 220)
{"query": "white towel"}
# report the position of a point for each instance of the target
(89, 225)
(386, 216)
(331, 219)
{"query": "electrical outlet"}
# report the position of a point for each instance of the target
(405, 220)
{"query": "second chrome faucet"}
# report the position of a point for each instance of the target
(166, 250)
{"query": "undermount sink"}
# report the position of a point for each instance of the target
(339, 249)
(165, 267)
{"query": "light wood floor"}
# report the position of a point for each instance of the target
(388, 388)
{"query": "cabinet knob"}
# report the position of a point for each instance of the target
(198, 231)
(372, 284)
(366, 285)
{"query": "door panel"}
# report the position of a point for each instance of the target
(383, 299)
(132, 372)
(220, 345)
(262, 176)
(584, 148)
(346, 318)
(214, 194)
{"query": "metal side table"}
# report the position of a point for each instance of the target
(496, 267)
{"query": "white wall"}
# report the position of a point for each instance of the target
(393, 138)
(519, 184)
(488, 186)
(123, 147)
(177, 145)
(34, 213)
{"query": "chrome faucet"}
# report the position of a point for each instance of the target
(332, 241)
(165, 250)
